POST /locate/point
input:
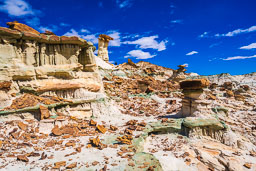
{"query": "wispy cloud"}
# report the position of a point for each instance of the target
(22, 9)
(149, 43)
(85, 31)
(64, 24)
(237, 32)
(192, 53)
(17, 8)
(248, 47)
(139, 54)
(124, 3)
(52, 28)
(215, 44)
(176, 21)
(92, 37)
(205, 34)
(72, 32)
(239, 57)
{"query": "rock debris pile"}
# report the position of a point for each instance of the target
(63, 108)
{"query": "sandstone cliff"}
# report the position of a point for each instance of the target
(46, 65)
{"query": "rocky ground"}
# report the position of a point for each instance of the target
(139, 126)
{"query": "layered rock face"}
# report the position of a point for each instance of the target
(103, 46)
(45, 65)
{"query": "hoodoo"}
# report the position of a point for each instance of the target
(103, 46)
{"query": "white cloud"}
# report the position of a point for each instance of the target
(176, 21)
(51, 28)
(124, 3)
(64, 24)
(17, 8)
(191, 53)
(205, 34)
(85, 31)
(94, 37)
(237, 32)
(116, 35)
(139, 54)
(250, 46)
(186, 64)
(239, 57)
(72, 32)
(149, 43)
(91, 37)
(215, 44)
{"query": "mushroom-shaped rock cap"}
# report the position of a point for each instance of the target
(105, 37)
(15, 25)
(182, 66)
(194, 84)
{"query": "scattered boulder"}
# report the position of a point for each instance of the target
(60, 164)
(22, 158)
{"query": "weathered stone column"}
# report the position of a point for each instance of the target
(103, 46)
(194, 103)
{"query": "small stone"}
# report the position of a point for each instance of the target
(22, 158)
(93, 123)
(78, 149)
(70, 143)
(72, 165)
(95, 141)
(131, 164)
(50, 143)
(248, 165)
(101, 128)
(95, 163)
(45, 114)
(56, 131)
(113, 128)
(43, 156)
(57, 165)
(22, 126)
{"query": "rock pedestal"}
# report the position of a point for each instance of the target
(103, 47)
(179, 74)
(194, 103)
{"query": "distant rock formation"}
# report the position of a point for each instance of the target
(103, 47)
(179, 74)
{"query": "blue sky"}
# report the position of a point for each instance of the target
(211, 37)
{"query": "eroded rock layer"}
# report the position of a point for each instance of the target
(45, 65)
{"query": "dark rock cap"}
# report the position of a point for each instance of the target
(194, 84)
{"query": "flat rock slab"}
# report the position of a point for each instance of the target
(200, 122)
(144, 161)
(170, 126)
